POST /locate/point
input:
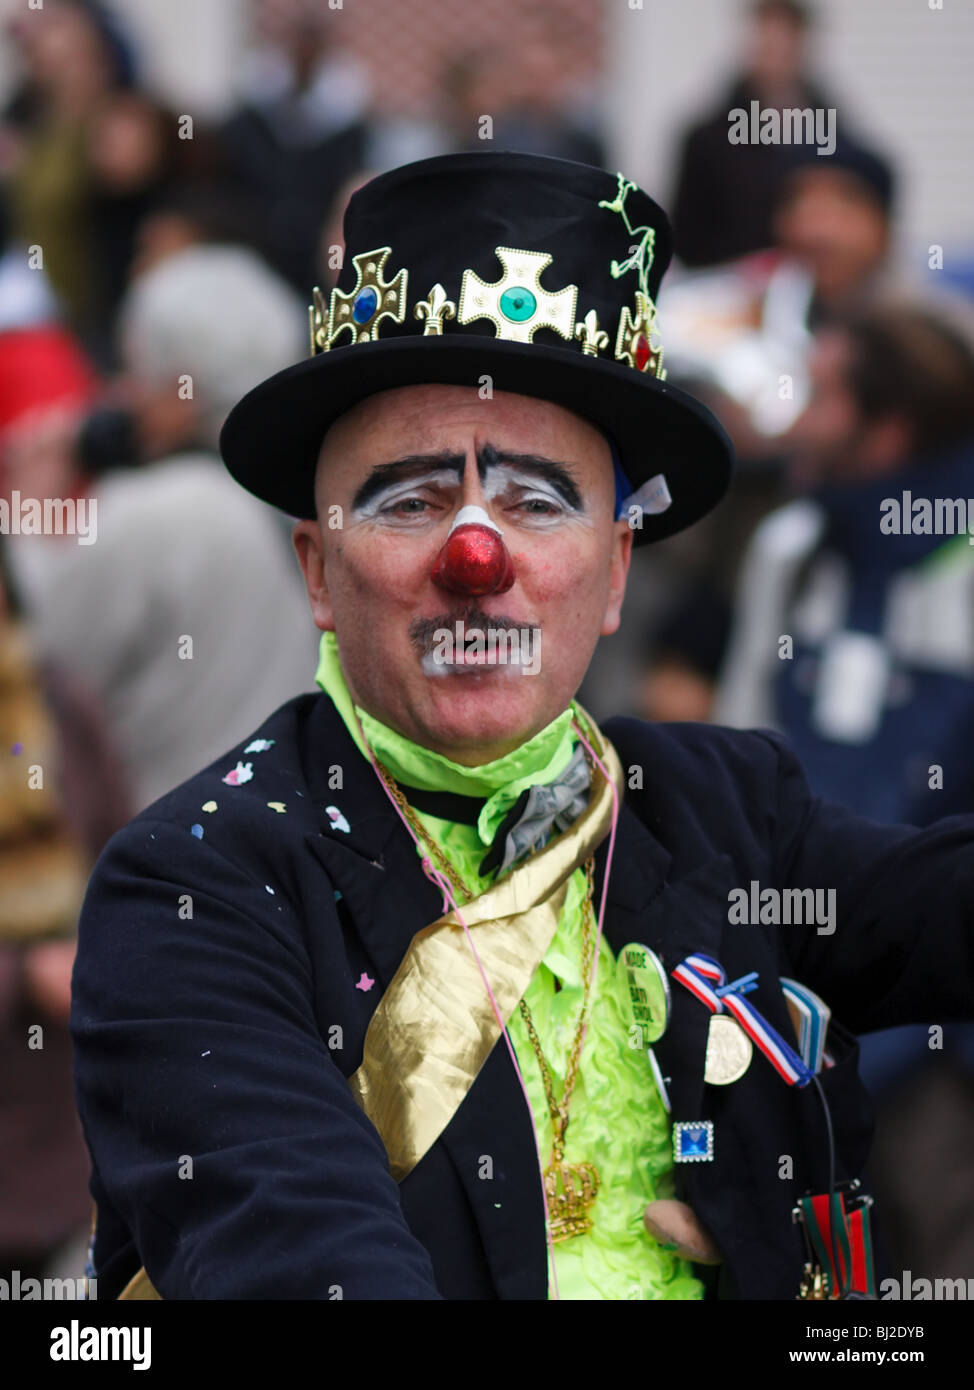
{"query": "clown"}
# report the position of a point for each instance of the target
(456, 1010)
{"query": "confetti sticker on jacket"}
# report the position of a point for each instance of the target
(209, 807)
(364, 983)
(338, 821)
(277, 806)
(259, 745)
(240, 774)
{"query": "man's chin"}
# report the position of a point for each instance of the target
(477, 717)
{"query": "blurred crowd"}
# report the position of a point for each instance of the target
(152, 271)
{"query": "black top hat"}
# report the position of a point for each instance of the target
(538, 273)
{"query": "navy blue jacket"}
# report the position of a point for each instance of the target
(216, 1017)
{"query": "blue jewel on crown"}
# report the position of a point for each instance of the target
(364, 304)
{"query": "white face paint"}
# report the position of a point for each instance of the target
(473, 516)
(506, 478)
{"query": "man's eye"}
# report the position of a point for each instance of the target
(540, 506)
(406, 506)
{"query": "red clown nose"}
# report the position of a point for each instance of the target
(474, 560)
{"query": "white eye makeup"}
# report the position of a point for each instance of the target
(527, 498)
(382, 504)
(537, 501)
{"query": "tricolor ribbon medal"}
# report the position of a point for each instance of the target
(705, 978)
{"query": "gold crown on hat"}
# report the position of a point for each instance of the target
(517, 304)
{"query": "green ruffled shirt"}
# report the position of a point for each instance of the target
(617, 1120)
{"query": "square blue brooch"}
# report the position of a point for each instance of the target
(693, 1141)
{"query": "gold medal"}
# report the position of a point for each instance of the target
(729, 1051)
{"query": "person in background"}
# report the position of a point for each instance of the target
(300, 131)
(734, 332)
(858, 643)
(726, 194)
(188, 575)
(740, 336)
(528, 88)
(834, 217)
(877, 620)
(62, 796)
(74, 59)
(87, 154)
(683, 659)
(47, 386)
(194, 212)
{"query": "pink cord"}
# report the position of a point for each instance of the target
(608, 859)
(436, 877)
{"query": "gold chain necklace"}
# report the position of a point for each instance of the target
(571, 1188)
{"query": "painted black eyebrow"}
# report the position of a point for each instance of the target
(557, 474)
(400, 470)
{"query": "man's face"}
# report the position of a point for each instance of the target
(776, 55)
(831, 222)
(831, 441)
(400, 465)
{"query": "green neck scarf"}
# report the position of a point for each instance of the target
(499, 783)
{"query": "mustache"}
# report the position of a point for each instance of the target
(422, 631)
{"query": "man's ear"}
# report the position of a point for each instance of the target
(618, 573)
(308, 542)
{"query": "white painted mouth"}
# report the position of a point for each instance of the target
(466, 665)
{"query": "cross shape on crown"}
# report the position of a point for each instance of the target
(372, 299)
(517, 304)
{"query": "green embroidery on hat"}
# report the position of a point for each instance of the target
(641, 259)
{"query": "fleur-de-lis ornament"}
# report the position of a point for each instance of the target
(434, 309)
(590, 335)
